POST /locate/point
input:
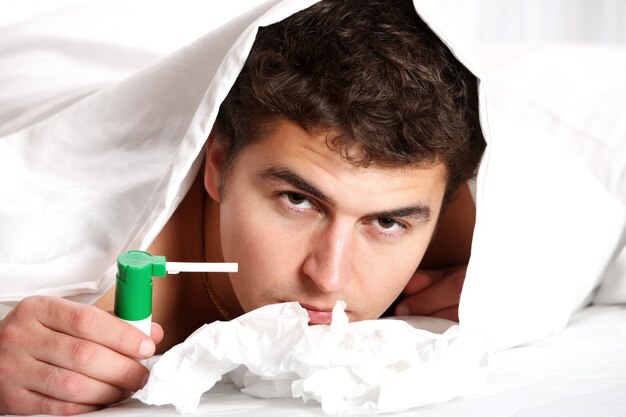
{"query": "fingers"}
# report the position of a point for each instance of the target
(65, 385)
(26, 373)
(421, 280)
(29, 403)
(156, 333)
(440, 298)
(91, 323)
(450, 313)
(61, 357)
(92, 360)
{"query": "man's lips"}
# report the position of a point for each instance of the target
(318, 315)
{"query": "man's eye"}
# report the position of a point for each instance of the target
(388, 224)
(297, 200)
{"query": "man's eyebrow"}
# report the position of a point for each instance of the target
(419, 212)
(288, 176)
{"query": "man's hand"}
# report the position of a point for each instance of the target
(433, 293)
(61, 357)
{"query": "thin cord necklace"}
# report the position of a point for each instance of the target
(214, 298)
(207, 283)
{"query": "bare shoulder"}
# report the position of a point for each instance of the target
(452, 242)
(177, 299)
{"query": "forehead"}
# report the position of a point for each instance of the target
(285, 145)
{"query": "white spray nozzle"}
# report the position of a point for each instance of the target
(176, 267)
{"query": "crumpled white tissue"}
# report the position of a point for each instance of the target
(364, 367)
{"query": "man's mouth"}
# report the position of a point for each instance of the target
(318, 315)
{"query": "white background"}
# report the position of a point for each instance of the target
(483, 21)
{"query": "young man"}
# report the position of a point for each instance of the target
(326, 175)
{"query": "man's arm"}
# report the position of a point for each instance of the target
(435, 288)
(452, 241)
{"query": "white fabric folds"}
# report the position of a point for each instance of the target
(367, 367)
(104, 171)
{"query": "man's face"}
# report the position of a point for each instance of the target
(307, 226)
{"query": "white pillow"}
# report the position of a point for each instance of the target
(578, 93)
(552, 214)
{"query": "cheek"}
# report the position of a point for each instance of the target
(385, 272)
(268, 262)
(387, 277)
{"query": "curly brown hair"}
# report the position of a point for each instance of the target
(372, 74)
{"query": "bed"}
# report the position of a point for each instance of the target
(559, 335)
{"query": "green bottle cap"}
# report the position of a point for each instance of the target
(133, 292)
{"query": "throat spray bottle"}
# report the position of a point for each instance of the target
(133, 289)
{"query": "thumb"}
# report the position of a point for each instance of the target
(156, 333)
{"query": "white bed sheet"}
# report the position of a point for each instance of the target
(580, 372)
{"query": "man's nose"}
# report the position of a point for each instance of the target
(328, 261)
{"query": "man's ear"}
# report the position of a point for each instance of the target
(214, 164)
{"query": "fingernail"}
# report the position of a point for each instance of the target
(146, 348)
(402, 310)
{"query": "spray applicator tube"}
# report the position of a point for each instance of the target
(133, 290)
